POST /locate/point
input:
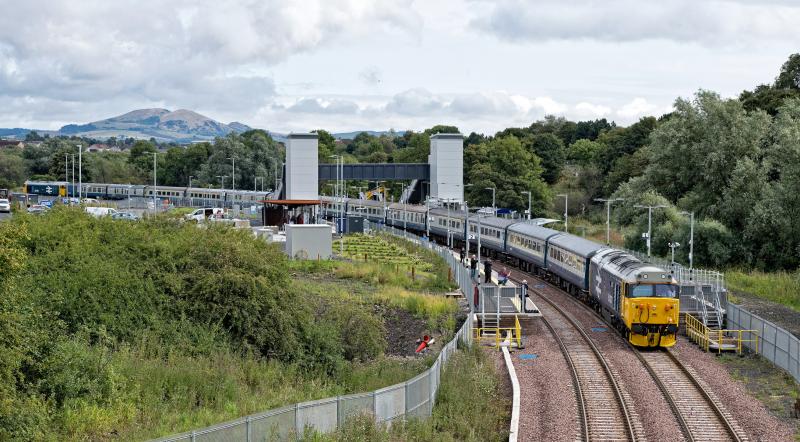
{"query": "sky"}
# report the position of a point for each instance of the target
(344, 65)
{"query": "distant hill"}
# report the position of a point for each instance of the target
(181, 125)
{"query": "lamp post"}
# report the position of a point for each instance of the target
(73, 177)
(649, 221)
(233, 173)
(608, 215)
(529, 203)
(80, 173)
(494, 210)
(191, 198)
(672, 245)
(691, 242)
(566, 211)
(155, 180)
(222, 181)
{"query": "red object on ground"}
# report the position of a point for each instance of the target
(424, 343)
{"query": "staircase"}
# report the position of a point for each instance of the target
(408, 192)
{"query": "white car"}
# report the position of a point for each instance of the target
(5, 206)
(201, 215)
(97, 212)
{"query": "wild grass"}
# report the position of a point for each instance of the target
(780, 287)
(469, 407)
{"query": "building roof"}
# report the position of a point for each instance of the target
(292, 202)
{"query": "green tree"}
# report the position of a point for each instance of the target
(12, 170)
(585, 152)
(789, 76)
(553, 155)
(505, 164)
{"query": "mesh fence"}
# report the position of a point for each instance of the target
(413, 398)
(774, 343)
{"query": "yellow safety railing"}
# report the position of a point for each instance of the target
(719, 340)
(515, 333)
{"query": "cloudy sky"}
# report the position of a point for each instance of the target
(347, 64)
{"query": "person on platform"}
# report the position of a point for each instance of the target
(461, 255)
(487, 271)
(473, 267)
(502, 276)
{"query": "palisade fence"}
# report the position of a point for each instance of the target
(779, 346)
(414, 398)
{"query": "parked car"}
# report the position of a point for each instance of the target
(5, 205)
(128, 216)
(201, 215)
(37, 209)
(100, 211)
(90, 201)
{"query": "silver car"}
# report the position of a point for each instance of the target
(5, 206)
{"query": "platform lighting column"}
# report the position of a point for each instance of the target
(80, 173)
(466, 228)
(672, 245)
(608, 202)
(155, 179)
(428, 217)
(494, 208)
(479, 240)
(66, 168)
(449, 234)
(649, 221)
(529, 204)
(191, 198)
(73, 176)
(566, 206)
(691, 243)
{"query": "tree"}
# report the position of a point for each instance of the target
(12, 170)
(505, 164)
(585, 152)
(141, 155)
(551, 150)
(327, 146)
(789, 77)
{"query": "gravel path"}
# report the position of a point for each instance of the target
(748, 411)
(548, 408)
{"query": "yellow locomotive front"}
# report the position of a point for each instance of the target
(650, 309)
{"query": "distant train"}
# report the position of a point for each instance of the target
(641, 300)
(122, 191)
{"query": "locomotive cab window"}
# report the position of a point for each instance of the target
(652, 291)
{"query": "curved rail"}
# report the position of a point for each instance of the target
(698, 414)
(600, 420)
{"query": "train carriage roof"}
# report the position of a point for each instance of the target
(533, 231)
(398, 207)
(365, 203)
(576, 244)
(454, 213)
(491, 221)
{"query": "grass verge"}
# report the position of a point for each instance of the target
(469, 407)
(780, 287)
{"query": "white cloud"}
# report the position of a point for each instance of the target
(714, 22)
(417, 101)
(589, 110)
(640, 107)
(184, 53)
(319, 106)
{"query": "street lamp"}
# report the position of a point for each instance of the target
(673, 245)
(80, 173)
(233, 173)
(222, 180)
(691, 242)
(191, 198)
(494, 210)
(155, 180)
(649, 221)
(608, 215)
(529, 203)
(566, 212)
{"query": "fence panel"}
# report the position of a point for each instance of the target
(418, 396)
(274, 425)
(390, 403)
(775, 344)
(321, 415)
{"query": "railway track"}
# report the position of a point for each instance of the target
(602, 409)
(699, 414)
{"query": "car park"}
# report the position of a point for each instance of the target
(100, 211)
(37, 209)
(127, 216)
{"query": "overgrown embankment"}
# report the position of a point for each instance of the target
(130, 330)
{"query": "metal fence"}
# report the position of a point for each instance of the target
(776, 344)
(413, 398)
